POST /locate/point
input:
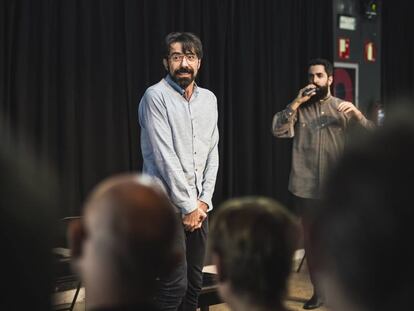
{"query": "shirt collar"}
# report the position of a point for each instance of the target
(177, 87)
(174, 84)
(326, 98)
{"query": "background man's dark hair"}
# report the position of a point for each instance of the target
(324, 62)
(364, 228)
(190, 42)
(254, 239)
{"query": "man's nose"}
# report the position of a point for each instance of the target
(184, 62)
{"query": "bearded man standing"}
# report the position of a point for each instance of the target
(318, 123)
(179, 144)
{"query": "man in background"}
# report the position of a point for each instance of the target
(318, 124)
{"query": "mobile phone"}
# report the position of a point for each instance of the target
(309, 90)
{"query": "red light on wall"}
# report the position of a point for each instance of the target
(343, 48)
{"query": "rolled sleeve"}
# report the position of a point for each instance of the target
(283, 123)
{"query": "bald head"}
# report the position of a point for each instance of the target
(129, 208)
(129, 227)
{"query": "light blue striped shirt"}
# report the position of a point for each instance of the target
(179, 142)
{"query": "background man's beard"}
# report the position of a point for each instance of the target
(320, 94)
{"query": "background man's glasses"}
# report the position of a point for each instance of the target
(178, 57)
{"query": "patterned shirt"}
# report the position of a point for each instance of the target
(319, 132)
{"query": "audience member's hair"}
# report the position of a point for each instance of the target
(254, 239)
(363, 231)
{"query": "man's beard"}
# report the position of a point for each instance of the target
(321, 93)
(184, 81)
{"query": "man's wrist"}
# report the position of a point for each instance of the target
(294, 105)
(203, 206)
(359, 116)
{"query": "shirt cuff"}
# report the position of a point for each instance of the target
(188, 207)
(206, 199)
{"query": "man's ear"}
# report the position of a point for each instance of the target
(199, 64)
(75, 236)
(165, 63)
(330, 80)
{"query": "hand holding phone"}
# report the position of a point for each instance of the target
(309, 91)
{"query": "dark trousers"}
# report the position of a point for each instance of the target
(180, 289)
(305, 209)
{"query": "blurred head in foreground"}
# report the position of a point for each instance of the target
(363, 231)
(126, 241)
(252, 241)
(27, 226)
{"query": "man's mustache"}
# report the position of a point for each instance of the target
(184, 70)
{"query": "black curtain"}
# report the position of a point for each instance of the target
(72, 73)
(397, 51)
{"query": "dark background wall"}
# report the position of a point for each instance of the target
(397, 72)
(72, 74)
(367, 29)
